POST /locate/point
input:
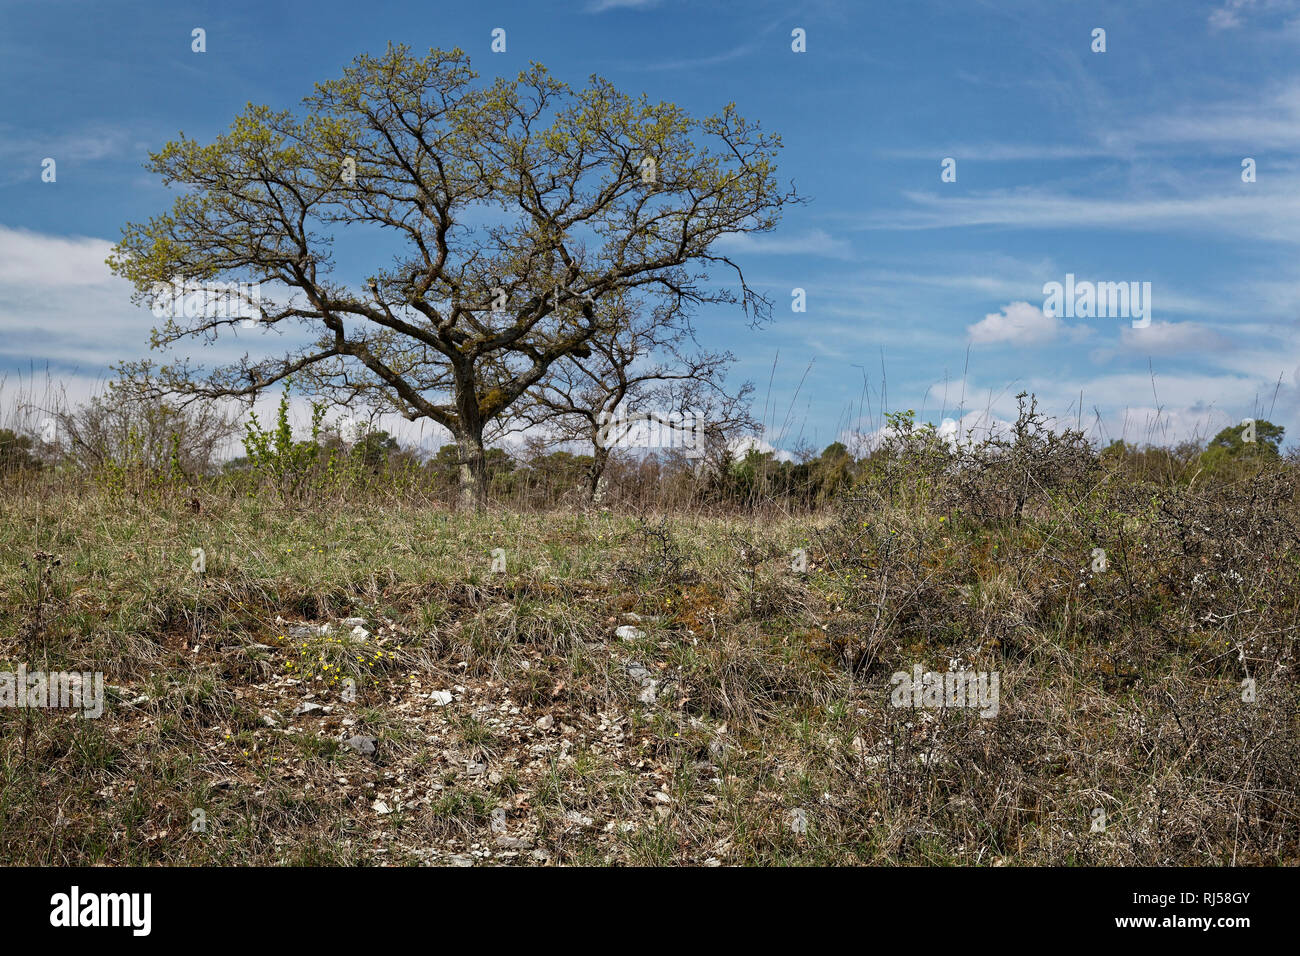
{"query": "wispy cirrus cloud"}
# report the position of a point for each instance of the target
(1252, 120)
(1232, 14)
(816, 242)
(1269, 214)
(1174, 338)
(1228, 16)
(96, 141)
(1264, 125)
(21, 153)
(1001, 152)
(600, 6)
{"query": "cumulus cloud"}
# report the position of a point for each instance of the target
(1165, 425)
(972, 428)
(1018, 322)
(744, 444)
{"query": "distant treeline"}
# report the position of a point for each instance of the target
(133, 444)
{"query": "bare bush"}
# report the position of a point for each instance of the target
(133, 431)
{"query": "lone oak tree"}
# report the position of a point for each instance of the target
(512, 209)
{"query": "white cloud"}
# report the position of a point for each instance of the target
(1266, 119)
(817, 242)
(1227, 17)
(1172, 338)
(33, 259)
(1230, 15)
(1017, 322)
(1164, 425)
(971, 429)
(60, 304)
(20, 152)
(746, 443)
(1257, 213)
(1001, 152)
(600, 6)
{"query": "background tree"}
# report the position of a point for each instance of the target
(553, 476)
(445, 466)
(1229, 449)
(16, 451)
(638, 373)
(514, 210)
(1268, 440)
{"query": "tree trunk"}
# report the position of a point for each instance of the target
(595, 471)
(473, 470)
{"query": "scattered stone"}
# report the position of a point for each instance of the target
(365, 746)
(381, 807)
(799, 821)
(461, 859)
(545, 722)
(627, 632)
(497, 821)
(360, 633)
(269, 721)
(353, 622)
(441, 697)
(638, 672)
(649, 692)
(515, 843)
(306, 707)
(577, 819)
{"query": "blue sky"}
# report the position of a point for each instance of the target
(1122, 166)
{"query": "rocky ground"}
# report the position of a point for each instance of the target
(381, 682)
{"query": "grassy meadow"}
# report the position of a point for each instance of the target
(705, 686)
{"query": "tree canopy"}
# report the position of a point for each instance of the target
(515, 208)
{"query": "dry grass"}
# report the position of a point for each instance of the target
(770, 695)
